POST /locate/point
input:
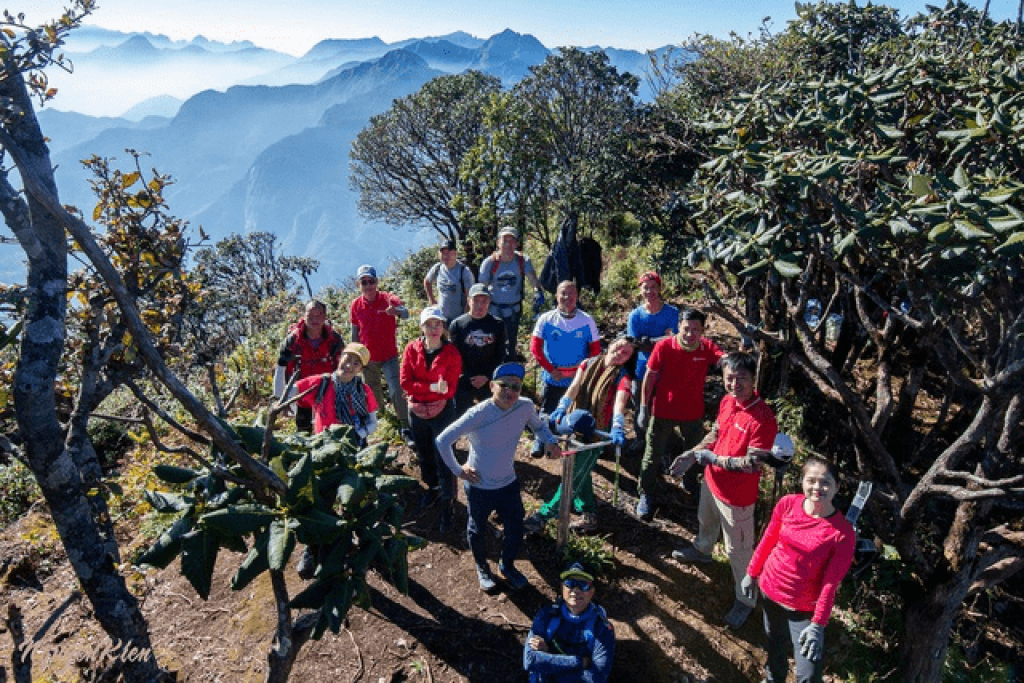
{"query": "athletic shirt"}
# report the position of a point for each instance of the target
(644, 324)
(493, 435)
(679, 393)
(598, 387)
(507, 281)
(801, 560)
(740, 428)
(565, 342)
(377, 329)
(452, 285)
(481, 342)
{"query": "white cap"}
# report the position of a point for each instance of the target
(431, 313)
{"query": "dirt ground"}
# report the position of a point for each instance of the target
(668, 617)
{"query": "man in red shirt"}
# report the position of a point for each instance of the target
(731, 455)
(311, 348)
(374, 315)
(673, 397)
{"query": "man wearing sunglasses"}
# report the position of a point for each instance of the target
(374, 315)
(493, 429)
(571, 641)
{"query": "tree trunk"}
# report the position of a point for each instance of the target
(42, 345)
(927, 624)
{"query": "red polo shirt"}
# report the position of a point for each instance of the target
(739, 428)
(679, 393)
(377, 329)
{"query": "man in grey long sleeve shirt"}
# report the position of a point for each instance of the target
(493, 429)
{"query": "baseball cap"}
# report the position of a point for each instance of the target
(479, 289)
(447, 244)
(576, 570)
(359, 350)
(649, 275)
(509, 370)
(431, 313)
(366, 271)
(508, 230)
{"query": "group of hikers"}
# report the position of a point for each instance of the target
(463, 378)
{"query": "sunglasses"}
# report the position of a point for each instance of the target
(578, 584)
(513, 386)
(367, 282)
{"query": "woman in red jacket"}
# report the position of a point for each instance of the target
(798, 565)
(429, 375)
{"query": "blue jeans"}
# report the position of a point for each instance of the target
(507, 502)
(432, 467)
(783, 627)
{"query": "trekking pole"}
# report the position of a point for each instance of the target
(568, 464)
(615, 490)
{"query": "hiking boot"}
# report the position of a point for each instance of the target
(534, 524)
(737, 615)
(585, 524)
(513, 577)
(691, 554)
(483, 575)
(643, 508)
(537, 453)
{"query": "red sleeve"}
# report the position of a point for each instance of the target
(838, 564)
(352, 312)
(625, 384)
(594, 349)
(654, 360)
(768, 541)
(537, 349)
(394, 300)
(371, 400)
(408, 373)
(303, 384)
(452, 369)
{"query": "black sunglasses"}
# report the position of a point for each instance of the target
(578, 584)
(514, 386)
(367, 282)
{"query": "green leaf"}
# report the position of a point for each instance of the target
(167, 545)
(352, 490)
(254, 564)
(1002, 225)
(280, 545)
(338, 603)
(238, 520)
(372, 457)
(167, 502)
(1014, 246)
(941, 233)
(317, 527)
(392, 483)
(969, 230)
(846, 244)
(198, 557)
(919, 185)
(961, 178)
(301, 491)
(757, 268)
(175, 475)
(788, 268)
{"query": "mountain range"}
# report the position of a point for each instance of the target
(258, 140)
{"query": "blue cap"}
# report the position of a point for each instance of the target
(577, 570)
(509, 370)
(366, 271)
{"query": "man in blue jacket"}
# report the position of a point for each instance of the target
(571, 641)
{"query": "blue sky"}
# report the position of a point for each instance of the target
(297, 25)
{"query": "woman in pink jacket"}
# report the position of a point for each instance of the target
(429, 375)
(798, 565)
